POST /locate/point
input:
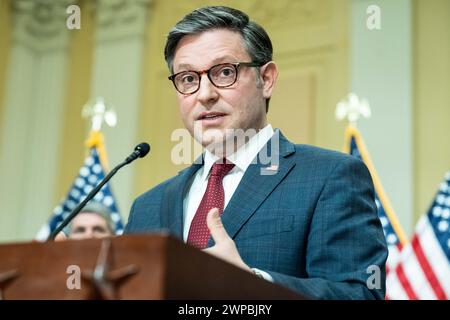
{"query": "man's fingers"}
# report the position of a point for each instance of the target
(60, 237)
(215, 226)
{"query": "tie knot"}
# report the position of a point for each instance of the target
(221, 168)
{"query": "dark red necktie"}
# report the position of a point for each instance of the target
(214, 197)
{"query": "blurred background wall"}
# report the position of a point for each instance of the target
(323, 48)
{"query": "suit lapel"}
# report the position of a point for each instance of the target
(172, 203)
(259, 180)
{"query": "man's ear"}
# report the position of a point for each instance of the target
(269, 75)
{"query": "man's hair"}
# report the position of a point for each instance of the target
(99, 209)
(255, 38)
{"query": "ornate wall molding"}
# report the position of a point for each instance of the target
(41, 25)
(121, 18)
(281, 13)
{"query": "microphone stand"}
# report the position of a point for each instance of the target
(140, 151)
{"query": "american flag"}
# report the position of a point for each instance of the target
(90, 174)
(395, 236)
(423, 270)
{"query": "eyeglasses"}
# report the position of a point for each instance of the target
(221, 76)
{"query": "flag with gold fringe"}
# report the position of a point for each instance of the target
(395, 236)
(89, 175)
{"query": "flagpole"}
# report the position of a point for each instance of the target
(99, 112)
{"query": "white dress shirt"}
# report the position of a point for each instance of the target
(242, 158)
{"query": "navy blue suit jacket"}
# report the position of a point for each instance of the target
(313, 226)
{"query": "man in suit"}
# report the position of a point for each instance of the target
(296, 215)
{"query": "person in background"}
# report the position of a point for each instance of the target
(93, 221)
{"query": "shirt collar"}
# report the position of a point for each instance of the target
(244, 156)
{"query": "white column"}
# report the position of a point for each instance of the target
(381, 63)
(32, 117)
(117, 73)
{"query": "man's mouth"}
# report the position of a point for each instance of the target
(209, 116)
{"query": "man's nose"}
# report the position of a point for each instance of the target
(89, 234)
(207, 93)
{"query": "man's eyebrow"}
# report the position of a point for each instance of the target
(184, 67)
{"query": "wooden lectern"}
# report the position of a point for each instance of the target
(155, 266)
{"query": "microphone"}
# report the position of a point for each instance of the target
(140, 151)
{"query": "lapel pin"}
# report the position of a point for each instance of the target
(271, 170)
